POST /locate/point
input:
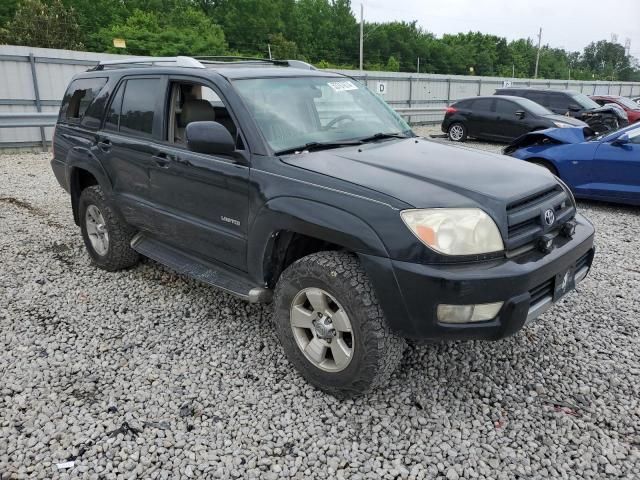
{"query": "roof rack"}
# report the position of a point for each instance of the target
(150, 62)
(196, 62)
(225, 60)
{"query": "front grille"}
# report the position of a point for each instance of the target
(524, 216)
(541, 291)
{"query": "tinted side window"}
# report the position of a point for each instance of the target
(558, 101)
(138, 106)
(78, 97)
(538, 97)
(112, 118)
(482, 104)
(507, 108)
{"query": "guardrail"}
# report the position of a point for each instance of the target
(48, 119)
(28, 119)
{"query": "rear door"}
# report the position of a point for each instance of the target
(203, 198)
(126, 145)
(616, 169)
(482, 119)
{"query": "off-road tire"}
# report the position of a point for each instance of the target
(455, 138)
(119, 254)
(377, 352)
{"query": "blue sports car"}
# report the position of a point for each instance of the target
(604, 167)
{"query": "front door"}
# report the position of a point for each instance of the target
(509, 125)
(616, 168)
(203, 198)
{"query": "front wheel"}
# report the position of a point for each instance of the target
(457, 132)
(331, 327)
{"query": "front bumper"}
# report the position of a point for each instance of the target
(525, 284)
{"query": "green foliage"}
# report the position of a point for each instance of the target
(323, 32)
(393, 65)
(39, 24)
(181, 32)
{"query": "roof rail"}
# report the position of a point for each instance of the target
(239, 59)
(150, 62)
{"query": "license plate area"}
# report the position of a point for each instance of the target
(564, 283)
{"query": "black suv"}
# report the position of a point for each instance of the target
(287, 184)
(570, 104)
(500, 118)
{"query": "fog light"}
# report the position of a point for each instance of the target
(545, 244)
(468, 313)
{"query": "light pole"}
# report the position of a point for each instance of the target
(361, 33)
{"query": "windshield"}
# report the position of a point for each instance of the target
(293, 112)
(627, 102)
(584, 101)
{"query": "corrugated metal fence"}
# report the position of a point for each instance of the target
(34, 80)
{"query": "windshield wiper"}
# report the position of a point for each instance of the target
(319, 146)
(380, 136)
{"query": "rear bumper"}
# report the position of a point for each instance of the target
(411, 297)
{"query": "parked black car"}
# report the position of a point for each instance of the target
(571, 104)
(502, 119)
(302, 187)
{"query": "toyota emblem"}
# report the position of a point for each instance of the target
(549, 217)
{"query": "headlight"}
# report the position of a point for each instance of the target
(454, 231)
(562, 125)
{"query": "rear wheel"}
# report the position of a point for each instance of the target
(457, 132)
(106, 236)
(331, 327)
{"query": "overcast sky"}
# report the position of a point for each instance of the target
(571, 24)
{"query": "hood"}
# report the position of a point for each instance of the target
(617, 110)
(424, 173)
(565, 119)
(550, 135)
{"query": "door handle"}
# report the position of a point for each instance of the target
(162, 160)
(104, 144)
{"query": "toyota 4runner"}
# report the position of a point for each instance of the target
(278, 182)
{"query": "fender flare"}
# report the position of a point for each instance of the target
(314, 219)
(82, 159)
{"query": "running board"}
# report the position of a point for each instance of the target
(216, 275)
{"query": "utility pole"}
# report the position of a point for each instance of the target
(535, 74)
(269, 47)
(361, 32)
(418, 65)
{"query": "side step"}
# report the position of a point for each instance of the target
(216, 275)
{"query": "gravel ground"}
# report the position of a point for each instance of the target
(148, 374)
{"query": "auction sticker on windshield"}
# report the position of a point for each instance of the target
(342, 86)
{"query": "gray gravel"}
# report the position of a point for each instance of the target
(148, 374)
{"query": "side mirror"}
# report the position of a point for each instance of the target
(520, 114)
(621, 140)
(574, 108)
(210, 138)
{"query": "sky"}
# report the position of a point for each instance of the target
(568, 24)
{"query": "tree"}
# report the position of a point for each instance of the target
(179, 32)
(48, 25)
(282, 48)
(393, 65)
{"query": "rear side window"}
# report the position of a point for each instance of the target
(78, 97)
(132, 109)
(482, 104)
